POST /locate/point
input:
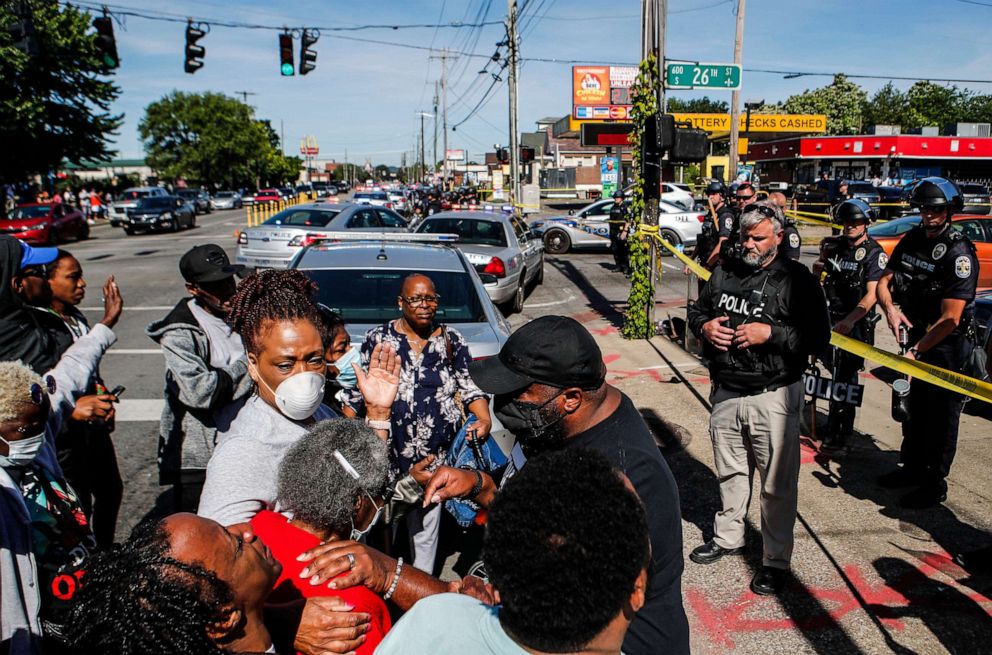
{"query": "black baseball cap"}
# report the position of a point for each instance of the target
(552, 350)
(207, 263)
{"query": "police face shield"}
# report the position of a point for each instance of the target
(934, 217)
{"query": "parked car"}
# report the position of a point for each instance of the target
(378, 198)
(274, 243)
(399, 201)
(227, 200)
(865, 191)
(248, 198)
(889, 196)
(129, 200)
(198, 198)
(288, 192)
(361, 279)
(507, 254)
(983, 316)
(978, 229)
(588, 228)
(677, 194)
(976, 198)
(160, 213)
(45, 224)
(267, 195)
(325, 189)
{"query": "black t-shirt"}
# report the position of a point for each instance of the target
(624, 439)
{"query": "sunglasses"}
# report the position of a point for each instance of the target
(38, 392)
(38, 270)
(745, 197)
(767, 212)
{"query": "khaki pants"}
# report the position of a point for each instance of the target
(759, 432)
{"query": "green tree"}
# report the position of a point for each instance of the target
(934, 104)
(54, 106)
(703, 105)
(977, 109)
(211, 139)
(889, 106)
(842, 101)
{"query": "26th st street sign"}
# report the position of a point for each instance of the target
(690, 75)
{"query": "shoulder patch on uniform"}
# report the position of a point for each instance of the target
(728, 223)
(883, 259)
(794, 240)
(859, 254)
(962, 266)
(938, 251)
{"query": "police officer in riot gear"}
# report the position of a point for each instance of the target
(932, 276)
(721, 221)
(791, 241)
(761, 316)
(853, 263)
(619, 228)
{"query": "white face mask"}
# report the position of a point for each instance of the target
(23, 451)
(356, 534)
(298, 396)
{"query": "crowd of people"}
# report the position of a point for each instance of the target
(319, 488)
(91, 201)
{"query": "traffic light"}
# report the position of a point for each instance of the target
(308, 57)
(503, 155)
(286, 54)
(22, 32)
(106, 45)
(526, 155)
(690, 145)
(194, 52)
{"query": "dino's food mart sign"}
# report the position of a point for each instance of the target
(716, 123)
(602, 93)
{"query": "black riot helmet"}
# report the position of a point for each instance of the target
(937, 192)
(716, 187)
(855, 209)
(618, 195)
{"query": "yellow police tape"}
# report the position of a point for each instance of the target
(807, 217)
(934, 375)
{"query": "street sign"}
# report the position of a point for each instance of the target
(688, 75)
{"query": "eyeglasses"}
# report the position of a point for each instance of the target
(744, 197)
(38, 392)
(419, 301)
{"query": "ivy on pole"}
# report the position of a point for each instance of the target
(645, 106)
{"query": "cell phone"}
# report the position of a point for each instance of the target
(117, 391)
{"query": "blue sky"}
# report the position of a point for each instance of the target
(364, 97)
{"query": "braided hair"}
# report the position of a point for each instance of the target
(137, 599)
(269, 296)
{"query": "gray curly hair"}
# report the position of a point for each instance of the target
(15, 389)
(316, 487)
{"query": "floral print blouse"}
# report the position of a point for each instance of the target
(426, 416)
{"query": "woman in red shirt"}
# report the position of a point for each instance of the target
(332, 484)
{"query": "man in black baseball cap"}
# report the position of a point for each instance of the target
(549, 383)
(206, 371)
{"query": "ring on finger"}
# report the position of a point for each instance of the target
(351, 560)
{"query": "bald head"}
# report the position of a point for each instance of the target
(415, 280)
(779, 199)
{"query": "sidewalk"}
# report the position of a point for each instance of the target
(870, 577)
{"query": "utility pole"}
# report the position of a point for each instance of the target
(423, 161)
(654, 14)
(244, 95)
(511, 38)
(444, 57)
(434, 160)
(735, 99)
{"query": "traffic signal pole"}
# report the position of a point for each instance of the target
(511, 33)
(654, 14)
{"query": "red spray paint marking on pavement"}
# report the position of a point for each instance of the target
(721, 623)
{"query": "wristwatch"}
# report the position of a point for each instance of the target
(378, 425)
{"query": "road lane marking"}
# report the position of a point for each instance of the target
(532, 305)
(134, 351)
(133, 410)
(128, 308)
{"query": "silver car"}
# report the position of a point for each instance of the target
(274, 243)
(588, 228)
(507, 255)
(377, 198)
(129, 200)
(361, 280)
(226, 200)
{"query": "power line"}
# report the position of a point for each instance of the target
(167, 17)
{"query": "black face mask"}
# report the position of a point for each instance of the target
(535, 433)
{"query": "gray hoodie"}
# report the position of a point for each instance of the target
(195, 394)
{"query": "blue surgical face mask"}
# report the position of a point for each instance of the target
(346, 374)
(23, 451)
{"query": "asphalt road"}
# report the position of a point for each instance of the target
(869, 576)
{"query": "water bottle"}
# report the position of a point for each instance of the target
(900, 400)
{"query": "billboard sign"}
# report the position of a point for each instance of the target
(455, 155)
(602, 93)
(609, 175)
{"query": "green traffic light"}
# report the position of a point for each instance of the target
(287, 69)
